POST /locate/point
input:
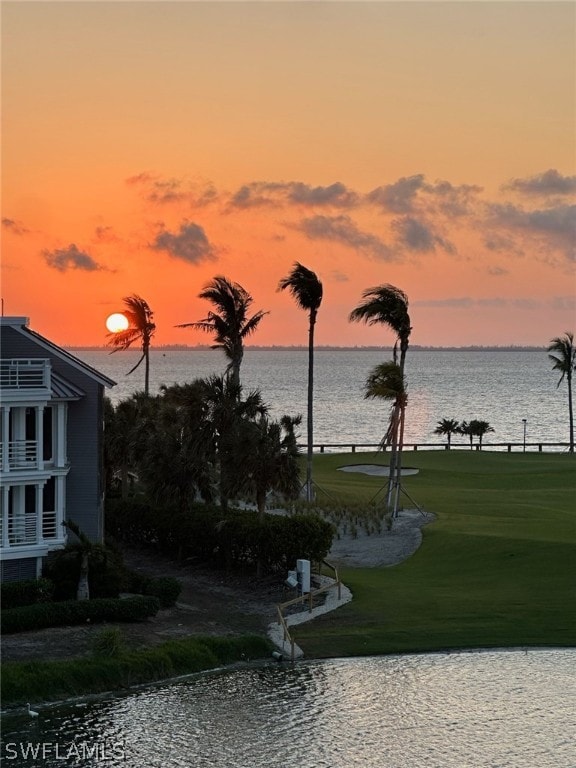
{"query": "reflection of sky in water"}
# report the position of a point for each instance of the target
(501, 387)
(469, 710)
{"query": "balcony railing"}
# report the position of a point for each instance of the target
(22, 454)
(25, 374)
(22, 530)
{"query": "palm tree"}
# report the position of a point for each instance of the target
(479, 429)
(467, 430)
(306, 290)
(447, 427)
(388, 305)
(230, 323)
(386, 381)
(227, 413)
(562, 353)
(271, 461)
(140, 328)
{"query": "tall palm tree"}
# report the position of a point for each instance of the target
(562, 353)
(447, 427)
(306, 290)
(141, 328)
(230, 322)
(388, 305)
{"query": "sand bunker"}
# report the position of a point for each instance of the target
(376, 469)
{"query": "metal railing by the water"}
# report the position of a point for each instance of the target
(287, 637)
(507, 446)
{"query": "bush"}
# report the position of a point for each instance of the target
(15, 594)
(73, 612)
(165, 588)
(109, 643)
(233, 539)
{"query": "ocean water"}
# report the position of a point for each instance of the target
(502, 387)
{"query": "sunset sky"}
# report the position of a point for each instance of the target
(148, 146)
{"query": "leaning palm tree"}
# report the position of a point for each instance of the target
(306, 290)
(388, 305)
(141, 328)
(447, 427)
(562, 353)
(386, 382)
(230, 323)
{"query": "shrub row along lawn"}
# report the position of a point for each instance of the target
(495, 569)
(50, 680)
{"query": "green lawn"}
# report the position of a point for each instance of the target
(497, 568)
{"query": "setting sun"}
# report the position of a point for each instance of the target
(117, 322)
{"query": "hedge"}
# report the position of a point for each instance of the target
(73, 612)
(15, 594)
(234, 539)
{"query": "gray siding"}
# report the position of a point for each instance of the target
(84, 486)
(18, 570)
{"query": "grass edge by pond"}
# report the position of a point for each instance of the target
(43, 681)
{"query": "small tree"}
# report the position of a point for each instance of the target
(562, 353)
(447, 427)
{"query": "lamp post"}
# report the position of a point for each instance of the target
(524, 444)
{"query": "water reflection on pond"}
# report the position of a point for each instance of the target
(492, 709)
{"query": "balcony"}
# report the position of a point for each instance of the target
(21, 531)
(22, 454)
(25, 376)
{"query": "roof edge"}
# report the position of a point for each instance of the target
(62, 353)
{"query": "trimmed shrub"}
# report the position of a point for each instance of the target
(235, 539)
(165, 588)
(73, 612)
(15, 594)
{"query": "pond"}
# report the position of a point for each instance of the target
(483, 709)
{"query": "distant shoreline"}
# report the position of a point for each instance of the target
(319, 348)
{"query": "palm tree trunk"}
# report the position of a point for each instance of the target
(399, 461)
(570, 413)
(83, 590)
(392, 474)
(310, 427)
(147, 372)
(397, 442)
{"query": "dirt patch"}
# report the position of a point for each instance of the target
(211, 603)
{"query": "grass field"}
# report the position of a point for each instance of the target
(496, 569)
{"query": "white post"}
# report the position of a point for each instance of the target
(60, 442)
(5, 509)
(39, 511)
(39, 412)
(5, 438)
